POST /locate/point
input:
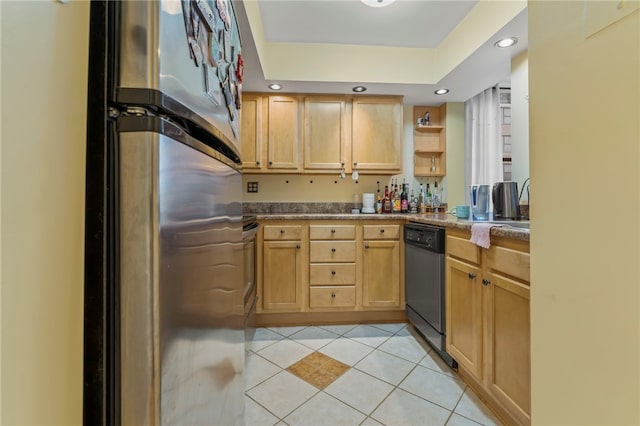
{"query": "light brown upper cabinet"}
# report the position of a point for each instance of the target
(376, 135)
(251, 133)
(283, 133)
(321, 133)
(325, 133)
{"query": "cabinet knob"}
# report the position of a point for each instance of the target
(333, 272)
(366, 246)
(355, 164)
(472, 275)
(333, 231)
(297, 246)
(282, 231)
(486, 281)
(333, 295)
(382, 231)
(271, 163)
(257, 163)
(333, 250)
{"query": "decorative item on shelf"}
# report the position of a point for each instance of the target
(433, 164)
(427, 119)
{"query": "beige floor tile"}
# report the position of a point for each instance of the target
(435, 387)
(384, 366)
(404, 347)
(346, 350)
(285, 352)
(324, 410)
(258, 370)
(359, 390)
(282, 393)
(471, 407)
(368, 335)
(256, 415)
(404, 409)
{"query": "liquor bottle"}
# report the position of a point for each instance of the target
(428, 200)
(404, 199)
(396, 202)
(386, 202)
(435, 197)
(379, 204)
(421, 206)
(413, 204)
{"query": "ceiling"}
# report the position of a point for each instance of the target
(409, 48)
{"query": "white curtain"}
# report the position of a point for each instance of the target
(482, 141)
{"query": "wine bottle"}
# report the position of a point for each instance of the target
(404, 199)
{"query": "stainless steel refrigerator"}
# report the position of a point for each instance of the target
(164, 308)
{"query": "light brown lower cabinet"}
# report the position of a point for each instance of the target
(488, 321)
(337, 267)
(281, 268)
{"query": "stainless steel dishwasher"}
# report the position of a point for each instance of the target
(424, 284)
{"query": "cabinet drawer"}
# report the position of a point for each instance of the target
(509, 261)
(332, 274)
(332, 232)
(283, 233)
(381, 232)
(463, 249)
(332, 251)
(332, 297)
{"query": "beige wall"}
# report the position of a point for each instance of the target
(325, 188)
(585, 274)
(44, 77)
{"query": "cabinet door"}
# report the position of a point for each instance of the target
(251, 131)
(324, 133)
(508, 345)
(464, 315)
(282, 276)
(283, 133)
(381, 274)
(376, 135)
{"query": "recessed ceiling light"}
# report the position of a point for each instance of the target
(359, 89)
(441, 91)
(275, 86)
(377, 3)
(506, 42)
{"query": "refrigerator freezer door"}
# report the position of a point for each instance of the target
(181, 296)
(184, 50)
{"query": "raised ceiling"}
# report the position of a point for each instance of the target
(409, 48)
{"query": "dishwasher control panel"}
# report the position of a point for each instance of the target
(426, 236)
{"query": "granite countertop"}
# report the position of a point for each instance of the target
(441, 219)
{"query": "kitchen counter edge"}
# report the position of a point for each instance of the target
(444, 220)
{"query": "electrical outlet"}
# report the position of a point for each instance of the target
(252, 186)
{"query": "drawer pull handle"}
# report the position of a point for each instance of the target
(486, 281)
(333, 295)
(472, 275)
(333, 272)
(333, 250)
(333, 231)
(297, 246)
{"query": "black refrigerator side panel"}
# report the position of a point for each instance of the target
(100, 365)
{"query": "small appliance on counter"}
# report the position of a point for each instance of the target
(479, 202)
(368, 203)
(505, 201)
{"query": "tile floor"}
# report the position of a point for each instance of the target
(394, 378)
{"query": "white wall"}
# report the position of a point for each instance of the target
(585, 234)
(520, 120)
(44, 78)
